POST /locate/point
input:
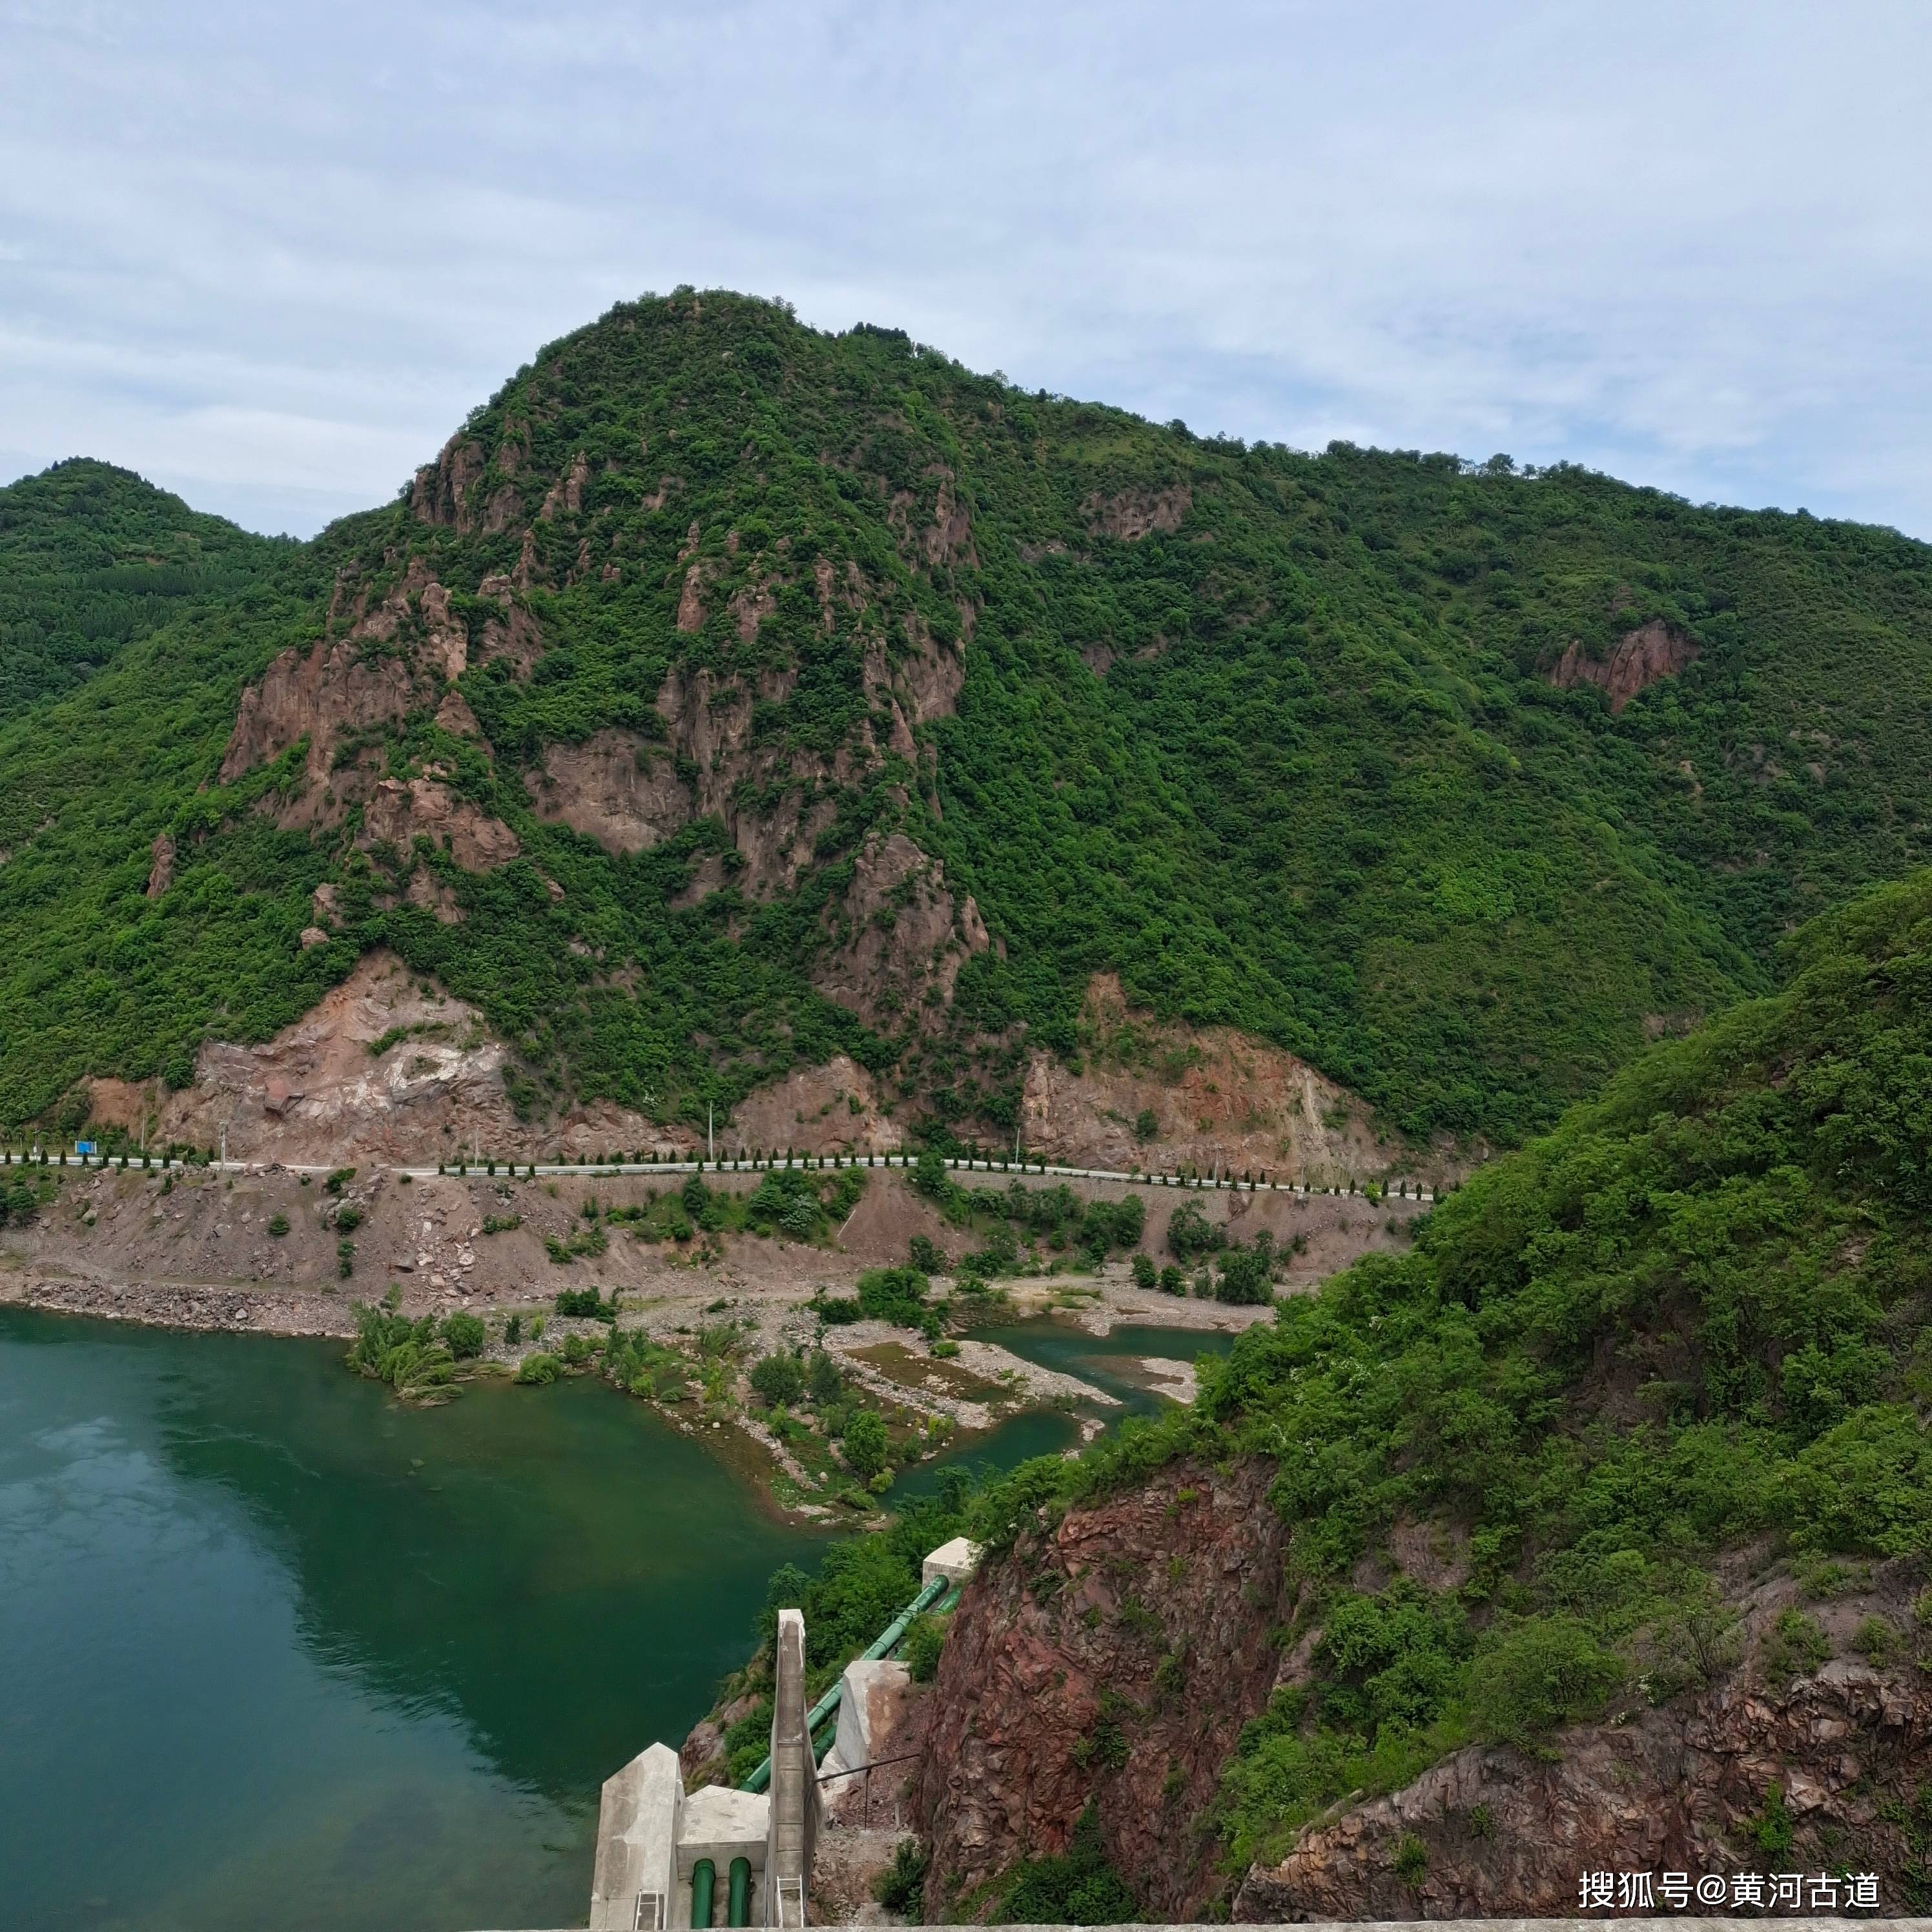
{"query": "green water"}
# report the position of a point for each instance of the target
(280, 1651)
(1112, 1361)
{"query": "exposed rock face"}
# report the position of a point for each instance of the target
(516, 635)
(1641, 657)
(1116, 1659)
(947, 539)
(319, 694)
(833, 1108)
(400, 811)
(902, 934)
(1135, 514)
(332, 689)
(316, 1092)
(441, 493)
(1216, 1096)
(161, 865)
(615, 787)
(1669, 1790)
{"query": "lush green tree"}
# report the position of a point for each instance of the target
(865, 1443)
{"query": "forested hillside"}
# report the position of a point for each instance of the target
(1615, 1495)
(727, 694)
(92, 558)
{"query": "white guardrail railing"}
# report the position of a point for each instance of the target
(484, 1166)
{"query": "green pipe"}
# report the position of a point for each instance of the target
(738, 1904)
(883, 1646)
(703, 1877)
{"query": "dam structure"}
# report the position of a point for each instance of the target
(664, 1856)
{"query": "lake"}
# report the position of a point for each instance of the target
(281, 1650)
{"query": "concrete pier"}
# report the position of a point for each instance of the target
(795, 1804)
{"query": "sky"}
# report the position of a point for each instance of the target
(270, 256)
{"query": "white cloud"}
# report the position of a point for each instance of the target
(281, 251)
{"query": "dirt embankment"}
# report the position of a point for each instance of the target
(200, 1249)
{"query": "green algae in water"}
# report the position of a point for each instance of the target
(282, 1651)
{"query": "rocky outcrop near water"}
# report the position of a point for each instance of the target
(1112, 1659)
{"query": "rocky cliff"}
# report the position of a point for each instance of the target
(1112, 1659)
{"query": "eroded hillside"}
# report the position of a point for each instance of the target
(728, 700)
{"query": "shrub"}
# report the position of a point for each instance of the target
(538, 1368)
(1145, 1273)
(823, 1381)
(1545, 1671)
(513, 1330)
(779, 1379)
(345, 1258)
(391, 1348)
(901, 1887)
(1079, 1888)
(348, 1218)
(928, 1175)
(1146, 1126)
(465, 1335)
(897, 1295)
(1172, 1281)
(338, 1180)
(1796, 1646)
(1191, 1233)
(920, 1652)
(925, 1255)
(278, 1225)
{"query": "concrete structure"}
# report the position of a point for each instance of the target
(635, 1878)
(956, 1561)
(726, 1857)
(723, 1825)
(795, 1802)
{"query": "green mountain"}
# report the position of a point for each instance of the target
(91, 559)
(1636, 1434)
(727, 694)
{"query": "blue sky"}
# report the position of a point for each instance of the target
(270, 256)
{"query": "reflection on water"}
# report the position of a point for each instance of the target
(280, 1650)
(1110, 1362)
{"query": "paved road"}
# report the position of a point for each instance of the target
(1043, 1170)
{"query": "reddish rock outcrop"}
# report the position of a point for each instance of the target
(161, 865)
(1505, 1834)
(317, 1092)
(1115, 1659)
(1134, 514)
(1638, 660)
(834, 1107)
(614, 787)
(332, 690)
(1217, 1096)
(440, 495)
(400, 811)
(898, 933)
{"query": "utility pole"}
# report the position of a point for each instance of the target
(711, 1130)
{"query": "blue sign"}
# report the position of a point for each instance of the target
(85, 1147)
